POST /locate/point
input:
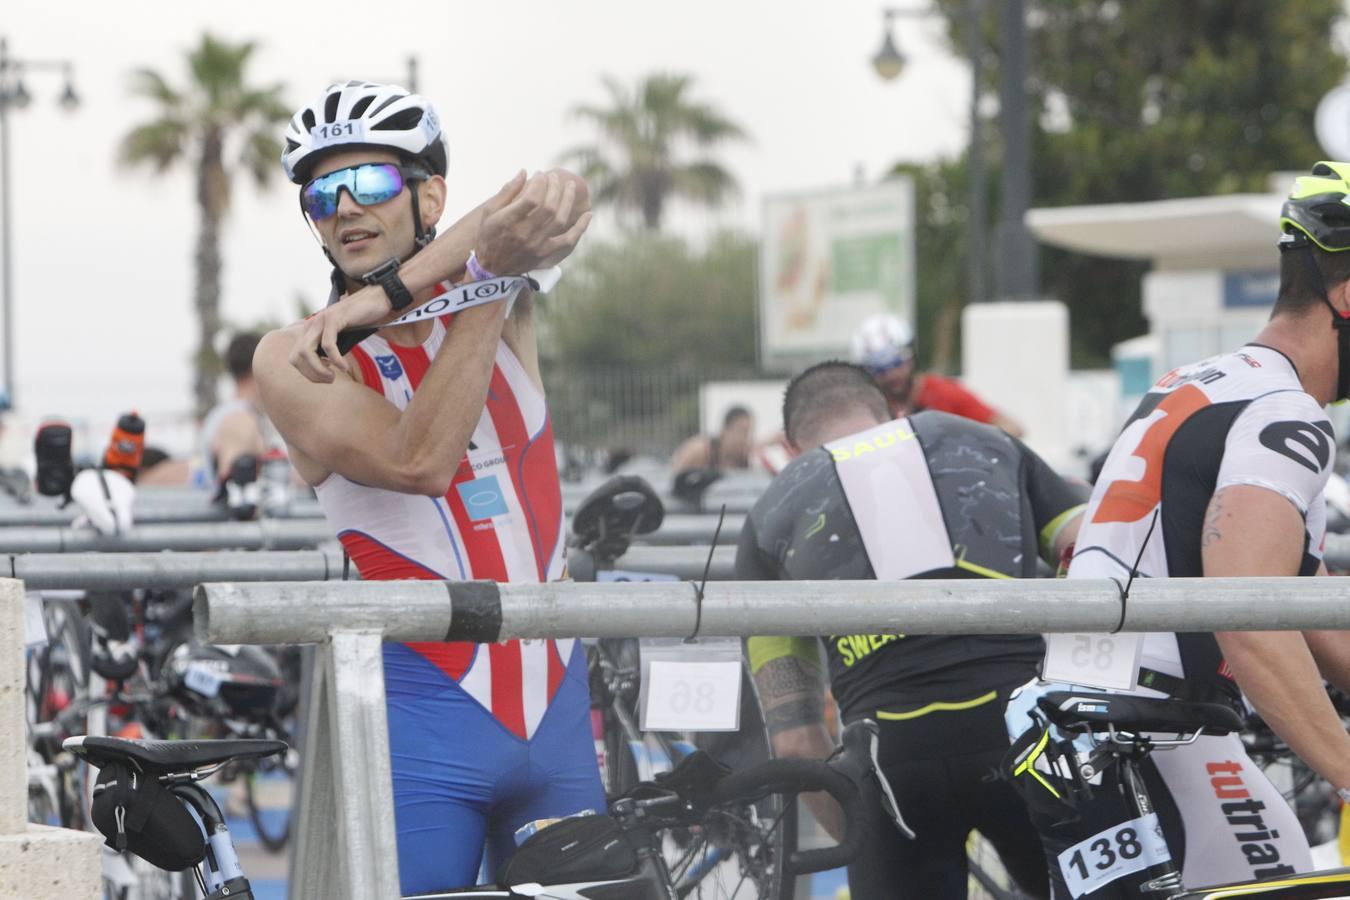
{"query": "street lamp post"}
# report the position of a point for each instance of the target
(1018, 262)
(889, 63)
(1018, 267)
(14, 93)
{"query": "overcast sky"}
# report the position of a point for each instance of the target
(102, 256)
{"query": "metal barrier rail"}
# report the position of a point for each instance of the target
(91, 571)
(288, 534)
(346, 776)
(298, 534)
(147, 514)
(168, 571)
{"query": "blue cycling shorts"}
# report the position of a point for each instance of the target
(463, 782)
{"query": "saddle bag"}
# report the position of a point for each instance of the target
(134, 812)
(581, 848)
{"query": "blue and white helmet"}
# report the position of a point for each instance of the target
(883, 341)
(363, 114)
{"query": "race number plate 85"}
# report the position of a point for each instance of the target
(1114, 853)
(1109, 661)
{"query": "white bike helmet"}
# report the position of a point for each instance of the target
(883, 341)
(363, 114)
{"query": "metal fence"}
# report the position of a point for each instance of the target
(646, 411)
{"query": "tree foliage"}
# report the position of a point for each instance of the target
(654, 301)
(1144, 100)
(638, 162)
(218, 124)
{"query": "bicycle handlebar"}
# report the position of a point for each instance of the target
(840, 777)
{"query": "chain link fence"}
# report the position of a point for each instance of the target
(642, 411)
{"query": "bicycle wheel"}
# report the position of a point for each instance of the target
(743, 852)
(740, 853)
(273, 823)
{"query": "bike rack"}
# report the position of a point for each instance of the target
(168, 571)
(36, 862)
(345, 840)
(292, 534)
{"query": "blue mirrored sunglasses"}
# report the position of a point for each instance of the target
(368, 183)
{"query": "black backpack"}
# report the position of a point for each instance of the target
(133, 811)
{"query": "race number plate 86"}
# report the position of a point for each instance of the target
(694, 696)
(1114, 853)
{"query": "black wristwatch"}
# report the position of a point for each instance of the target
(386, 276)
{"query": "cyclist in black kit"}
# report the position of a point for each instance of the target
(931, 496)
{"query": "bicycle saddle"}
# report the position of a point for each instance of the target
(1085, 710)
(168, 757)
(691, 484)
(623, 506)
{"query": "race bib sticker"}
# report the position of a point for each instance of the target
(1109, 661)
(1114, 853)
(330, 133)
(202, 680)
(690, 686)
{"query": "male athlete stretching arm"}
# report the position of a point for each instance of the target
(430, 449)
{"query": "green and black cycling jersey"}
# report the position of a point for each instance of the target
(943, 497)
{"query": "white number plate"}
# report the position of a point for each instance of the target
(1114, 853)
(204, 681)
(692, 696)
(337, 133)
(1094, 660)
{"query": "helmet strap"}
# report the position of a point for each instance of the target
(1340, 321)
(423, 236)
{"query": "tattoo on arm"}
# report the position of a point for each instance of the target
(791, 692)
(1210, 533)
(797, 712)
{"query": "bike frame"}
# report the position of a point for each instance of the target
(1167, 884)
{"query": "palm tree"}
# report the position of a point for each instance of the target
(635, 165)
(219, 124)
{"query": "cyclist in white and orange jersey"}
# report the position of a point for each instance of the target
(1220, 473)
(430, 450)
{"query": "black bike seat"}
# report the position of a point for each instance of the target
(691, 484)
(1084, 710)
(168, 757)
(625, 505)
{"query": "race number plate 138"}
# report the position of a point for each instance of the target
(1108, 661)
(1114, 853)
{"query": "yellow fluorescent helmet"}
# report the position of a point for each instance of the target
(1317, 207)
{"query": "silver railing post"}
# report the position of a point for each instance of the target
(360, 750)
(346, 777)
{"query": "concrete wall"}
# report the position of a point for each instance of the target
(36, 862)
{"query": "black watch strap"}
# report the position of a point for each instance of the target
(386, 276)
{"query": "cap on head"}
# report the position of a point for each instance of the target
(883, 341)
(1318, 208)
(357, 114)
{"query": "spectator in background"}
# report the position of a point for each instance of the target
(158, 469)
(729, 449)
(237, 427)
(884, 346)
